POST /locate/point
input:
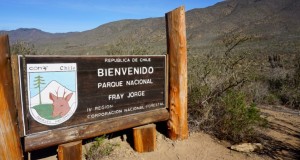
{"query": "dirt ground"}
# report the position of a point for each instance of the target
(281, 140)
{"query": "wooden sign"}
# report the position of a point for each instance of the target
(60, 92)
(66, 99)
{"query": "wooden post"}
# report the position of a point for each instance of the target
(144, 138)
(10, 146)
(17, 94)
(70, 151)
(177, 51)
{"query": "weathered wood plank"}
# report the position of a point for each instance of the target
(10, 147)
(167, 81)
(177, 51)
(144, 138)
(58, 136)
(17, 94)
(70, 151)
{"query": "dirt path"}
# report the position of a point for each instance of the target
(199, 146)
(282, 138)
(281, 141)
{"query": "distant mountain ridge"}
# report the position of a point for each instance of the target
(268, 22)
(32, 35)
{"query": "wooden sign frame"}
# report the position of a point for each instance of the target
(75, 130)
(175, 114)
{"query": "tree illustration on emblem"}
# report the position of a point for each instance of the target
(37, 83)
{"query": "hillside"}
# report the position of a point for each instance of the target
(266, 22)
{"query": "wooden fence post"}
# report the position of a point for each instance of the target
(145, 138)
(177, 51)
(70, 151)
(10, 146)
(17, 92)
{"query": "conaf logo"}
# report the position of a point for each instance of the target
(52, 93)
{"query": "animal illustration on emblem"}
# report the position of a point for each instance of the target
(60, 104)
(52, 93)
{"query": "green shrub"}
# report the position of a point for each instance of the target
(272, 99)
(212, 78)
(239, 119)
(100, 148)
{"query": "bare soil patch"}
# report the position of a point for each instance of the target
(282, 138)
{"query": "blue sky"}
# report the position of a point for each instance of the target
(80, 15)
